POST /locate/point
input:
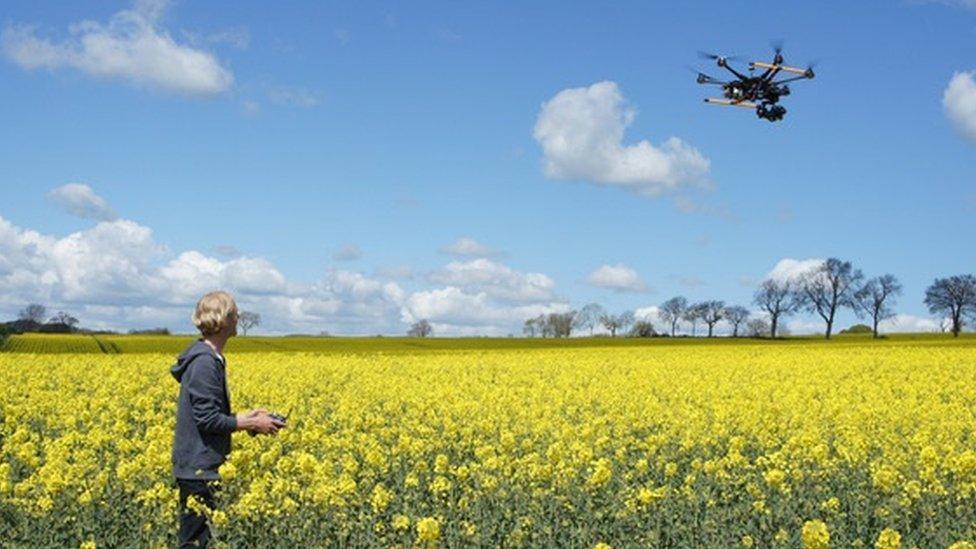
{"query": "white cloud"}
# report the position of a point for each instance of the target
(792, 269)
(619, 277)
(468, 247)
(481, 296)
(114, 275)
(131, 46)
(581, 131)
(806, 327)
(105, 264)
(80, 200)
(452, 311)
(349, 252)
(495, 280)
(909, 323)
(959, 102)
(351, 300)
(648, 314)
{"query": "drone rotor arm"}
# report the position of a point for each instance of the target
(708, 79)
(790, 79)
(783, 68)
(737, 74)
(731, 103)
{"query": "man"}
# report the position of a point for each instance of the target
(203, 419)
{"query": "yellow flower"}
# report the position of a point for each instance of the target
(602, 473)
(401, 522)
(646, 496)
(219, 517)
(228, 471)
(832, 504)
(602, 545)
(888, 539)
(440, 485)
(381, 498)
(747, 541)
(775, 478)
(815, 535)
(441, 464)
(428, 529)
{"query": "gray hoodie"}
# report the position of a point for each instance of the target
(203, 420)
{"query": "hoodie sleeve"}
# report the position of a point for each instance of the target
(205, 388)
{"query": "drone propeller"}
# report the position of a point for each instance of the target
(777, 46)
(716, 57)
(703, 78)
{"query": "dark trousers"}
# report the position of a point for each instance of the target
(194, 530)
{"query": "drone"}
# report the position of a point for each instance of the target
(761, 92)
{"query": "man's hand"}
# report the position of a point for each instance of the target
(258, 422)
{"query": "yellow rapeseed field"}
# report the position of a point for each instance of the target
(812, 445)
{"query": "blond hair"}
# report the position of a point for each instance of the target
(213, 312)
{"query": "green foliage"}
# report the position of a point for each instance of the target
(858, 329)
(643, 328)
(173, 344)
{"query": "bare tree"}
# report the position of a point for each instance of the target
(625, 319)
(561, 324)
(778, 299)
(829, 287)
(64, 318)
(617, 322)
(876, 298)
(589, 316)
(693, 314)
(247, 320)
(758, 327)
(736, 315)
(712, 313)
(531, 327)
(545, 328)
(421, 328)
(34, 312)
(672, 311)
(953, 297)
(945, 324)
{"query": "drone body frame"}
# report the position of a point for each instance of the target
(760, 92)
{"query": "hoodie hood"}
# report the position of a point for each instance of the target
(183, 361)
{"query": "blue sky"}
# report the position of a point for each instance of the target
(394, 131)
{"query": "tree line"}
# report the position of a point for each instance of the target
(32, 319)
(824, 291)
